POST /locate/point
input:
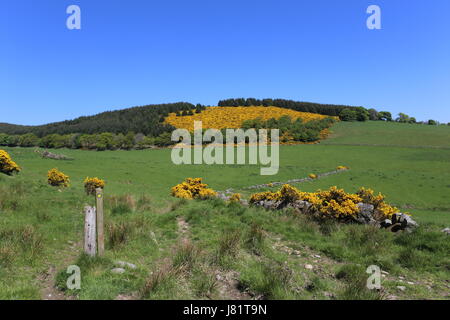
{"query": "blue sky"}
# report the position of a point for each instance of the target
(139, 52)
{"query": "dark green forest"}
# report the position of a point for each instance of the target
(325, 109)
(147, 120)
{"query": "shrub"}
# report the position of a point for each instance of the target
(236, 197)
(164, 279)
(193, 188)
(186, 256)
(90, 184)
(348, 115)
(121, 204)
(56, 178)
(255, 239)
(342, 168)
(119, 233)
(312, 176)
(382, 209)
(7, 165)
(228, 248)
(335, 203)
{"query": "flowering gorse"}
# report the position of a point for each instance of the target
(90, 184)
(193, 188)
(233, 117)
(381, 207)
(7, 165)
(56, 178)
(334, 202)
(235, 197)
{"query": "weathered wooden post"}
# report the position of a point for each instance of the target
(100, 230)
(90, 234)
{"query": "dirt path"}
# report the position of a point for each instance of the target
(183, 229)
(227, 282)
(228, 286)
(46, 279)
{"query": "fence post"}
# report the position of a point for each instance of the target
(90, 231)
(100, 230)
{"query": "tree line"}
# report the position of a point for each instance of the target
(344, 112)
(325, 109)
(97, 141)
(148, 120)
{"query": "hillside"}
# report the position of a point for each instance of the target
(233, 117)
(380, 133)
(149, 119)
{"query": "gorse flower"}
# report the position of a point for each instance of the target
(193, 188)
(90, 184)
(7, 165)
(333, 202)
(233, 117)
(235, 197)
(56, 178)
(377, 201)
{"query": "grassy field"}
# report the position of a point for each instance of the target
(215, 250)
(390, 134)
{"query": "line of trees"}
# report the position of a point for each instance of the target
(98, 141)
(149, 120)
(344, 112)
(404, 118)
(325, 109)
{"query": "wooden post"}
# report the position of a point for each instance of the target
(100, 231)
(90, 246)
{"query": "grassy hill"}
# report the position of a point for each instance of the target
(389, 134)
(215, 250)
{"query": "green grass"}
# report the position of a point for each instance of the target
(390, 134)
(41, 227)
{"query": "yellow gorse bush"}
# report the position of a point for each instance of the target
(7, 165)
(342, 168)
(235, 197)
(233, 117)
(333, 202)
(90, 184)
(56, 178)
(192, 188)
(384, 209)
(312, 176)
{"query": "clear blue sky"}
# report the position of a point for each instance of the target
(138, 52)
